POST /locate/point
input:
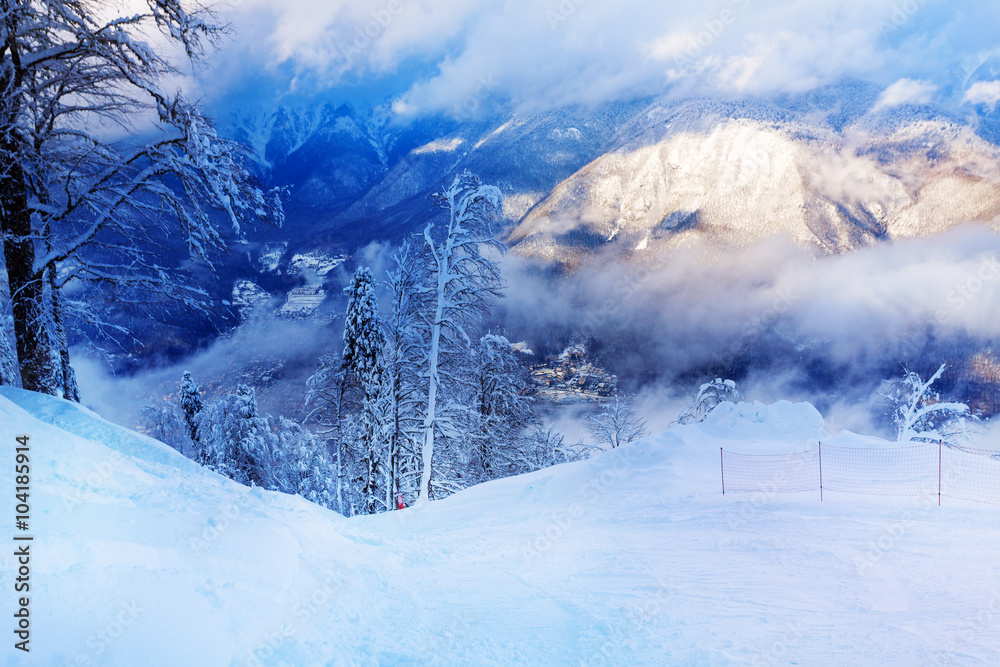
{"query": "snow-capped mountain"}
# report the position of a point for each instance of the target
(833, 168)
(735, 174)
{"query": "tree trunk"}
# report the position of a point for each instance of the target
(27, 290)
(70, 388)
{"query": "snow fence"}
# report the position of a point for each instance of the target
(914, 470)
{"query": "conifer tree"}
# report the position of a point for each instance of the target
(191, 404)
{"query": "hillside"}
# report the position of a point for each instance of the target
(635, 557)
(720, 175)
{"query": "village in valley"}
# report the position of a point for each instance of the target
(570, 376)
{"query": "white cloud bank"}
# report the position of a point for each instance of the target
(435, 55)
(984, 92)
(906, 91)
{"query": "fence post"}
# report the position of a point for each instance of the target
(939, 473)
(722, 463)
(821, 472)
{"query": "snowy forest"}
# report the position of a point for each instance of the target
(404, 333)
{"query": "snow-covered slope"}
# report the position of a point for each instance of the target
(704, 171)
(632, 558)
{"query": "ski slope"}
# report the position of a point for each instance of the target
(141, 558)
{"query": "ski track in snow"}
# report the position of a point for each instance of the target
(633, 558)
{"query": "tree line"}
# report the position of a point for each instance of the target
(421, 400)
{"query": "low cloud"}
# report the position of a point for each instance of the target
(809, 328)
(986, 93)
(905, 91)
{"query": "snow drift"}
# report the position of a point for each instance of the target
(634, 557)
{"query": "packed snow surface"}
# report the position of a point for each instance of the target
(142, 558)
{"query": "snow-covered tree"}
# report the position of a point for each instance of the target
(329, 402)
(9, 373)
(920, 415)
(78, 203)
(303, 465)
(710, 395)
(502, 408)
(363, 338)
(362, 358)
(234, 440)
(191, 404)
(461, 280)
(167, 425)
(617, 423)
(398, 401)
(544, 446)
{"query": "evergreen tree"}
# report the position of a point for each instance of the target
(363, 339)
(397, 406)
(191, 404)
(327, 394)
(234, 440)
(362, 359)
(65, 375)
(303, 465)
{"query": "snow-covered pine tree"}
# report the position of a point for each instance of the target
(617, 423)
(710, 395)
(65, 375)
(234, 440)
(191, 404)
(362, 361)
(77, 202)
(502, 407)
(462, 278)
(920, 415)
(363, 338)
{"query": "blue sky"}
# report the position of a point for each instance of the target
(427, 56)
